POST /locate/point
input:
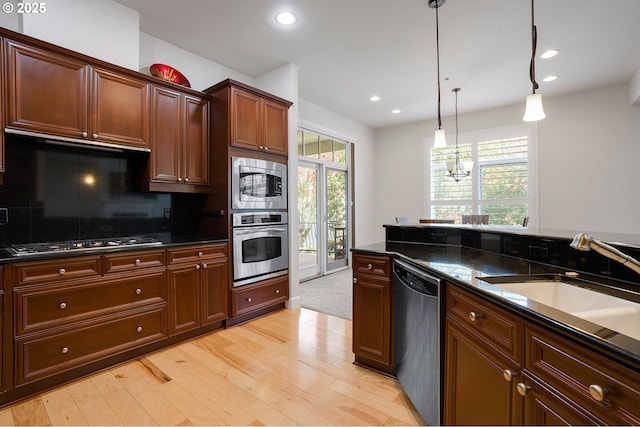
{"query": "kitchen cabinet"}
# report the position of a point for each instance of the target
(482, 354)
(567, 383)
(68, 312)
(198, 287)
(372, 312)
(3, 95)
(265, 294)
(501, 369)
(58, 94)
(255, 120)
(179, 159)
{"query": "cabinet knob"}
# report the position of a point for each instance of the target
(355, 280)
(95, 136)
(597, 392)
(186, 180)
(197, 266)
(523, 389)
(277, 291)
(249, 299)
(266, 148)
(64, 350)
(205, 265)
(508, 375)
(138, 291)
(139, 329)
(84, 134)
(473, 316)
(370, 267)
(179, 179)
(62, 271)
(63, 305)
(200, 254)
(261, 147)
(138, 262)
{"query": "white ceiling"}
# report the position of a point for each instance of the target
(348, 50)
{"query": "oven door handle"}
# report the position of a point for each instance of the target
(251, 230)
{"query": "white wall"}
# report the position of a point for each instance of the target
(103, 29)
(587, 147)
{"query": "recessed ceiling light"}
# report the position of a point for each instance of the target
(549, 53)
(396, 111)
(286, 18)
(374, 98)
(549, 78)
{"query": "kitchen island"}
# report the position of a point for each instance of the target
(549, 358)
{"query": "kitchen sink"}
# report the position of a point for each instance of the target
(618, 314)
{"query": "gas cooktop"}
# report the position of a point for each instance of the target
(80, 245)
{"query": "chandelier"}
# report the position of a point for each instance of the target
(457, 169)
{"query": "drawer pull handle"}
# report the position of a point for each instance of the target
(138, 291)
(473, 316)
(139, 329)
(138, 262)
(63, 305)
(62, 271)
(197, 266)
(597, 392)
(204, 265)
(200, 254)
(370, 267)
(277, 291)
(508, 375)
(523, 389)
(355, 280)
(249, 299)
(64, 350)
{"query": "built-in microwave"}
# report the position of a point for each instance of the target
(258, 184)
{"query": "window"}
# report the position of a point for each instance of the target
(501, 184)
(321, 147)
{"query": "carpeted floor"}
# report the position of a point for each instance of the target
(330, 294)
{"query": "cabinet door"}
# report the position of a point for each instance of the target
(164, 160)
(196, 140)
(215, 290)
(183, 283)
(372, 319)
(120, 109)
(3, 95)
(47, 92)
(245, 120)
(276, 133)
(477, 391)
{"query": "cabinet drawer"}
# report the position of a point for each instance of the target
(57, 270)
(492, 325)
(248, 299)
(44, 307)
(574, 370)
(48, 354)
(197, 253)
(129, 261)
(375, 265)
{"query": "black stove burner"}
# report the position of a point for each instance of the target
(77, 245)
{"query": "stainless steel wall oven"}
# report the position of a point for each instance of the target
(260, 246)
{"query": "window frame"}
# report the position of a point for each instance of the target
(473, 137)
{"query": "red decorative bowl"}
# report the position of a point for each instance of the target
(169, 74)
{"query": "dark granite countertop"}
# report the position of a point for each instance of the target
(166, 240)
(463, 266)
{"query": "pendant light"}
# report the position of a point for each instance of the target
(458, 170)
(440, 140)
(533, 110)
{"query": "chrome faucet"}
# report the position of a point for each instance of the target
(584, 242)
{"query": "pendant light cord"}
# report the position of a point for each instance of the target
(438, 62)
(534, 43)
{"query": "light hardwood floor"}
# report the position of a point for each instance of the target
(292, 367)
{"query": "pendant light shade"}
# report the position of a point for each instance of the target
(439, 141)
(533, 109)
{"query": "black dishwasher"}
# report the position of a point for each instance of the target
(418, 338)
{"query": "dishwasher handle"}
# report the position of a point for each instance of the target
(416, 279)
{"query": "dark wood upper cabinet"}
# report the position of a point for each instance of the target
(179, 159)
